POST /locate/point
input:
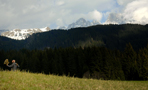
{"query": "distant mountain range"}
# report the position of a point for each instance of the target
(110, 36)
(113, 18)
(21, 34)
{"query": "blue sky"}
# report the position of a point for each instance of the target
(52, 13)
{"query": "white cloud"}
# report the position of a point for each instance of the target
(60, 3)
(137, 11)
(124, 2)
(94, 15)
(59, 22)
(39, 13)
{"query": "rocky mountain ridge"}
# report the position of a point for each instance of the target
(21, 34)
(80, 23)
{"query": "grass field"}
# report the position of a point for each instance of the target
(10, 80)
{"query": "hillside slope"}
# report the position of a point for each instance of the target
(29, 81)
(110, 36)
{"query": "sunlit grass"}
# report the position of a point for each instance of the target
(10, 80)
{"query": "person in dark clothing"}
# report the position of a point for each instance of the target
(13, 66)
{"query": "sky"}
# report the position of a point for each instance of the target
(53, 13)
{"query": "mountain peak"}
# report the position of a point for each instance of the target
(81, 22)
(21, 34)
(45, 29)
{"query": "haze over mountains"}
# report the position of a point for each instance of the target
(117, 18)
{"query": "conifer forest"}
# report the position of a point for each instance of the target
(97, 62)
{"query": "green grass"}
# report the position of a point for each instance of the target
(10, 80)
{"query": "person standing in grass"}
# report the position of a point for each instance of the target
(13, 66)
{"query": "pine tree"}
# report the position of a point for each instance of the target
(143, 63)
(130, 63)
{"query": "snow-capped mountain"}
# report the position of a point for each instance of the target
(80, 23)
(21, 34)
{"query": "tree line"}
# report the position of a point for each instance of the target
(97, 62)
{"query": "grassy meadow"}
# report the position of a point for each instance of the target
(10, 80)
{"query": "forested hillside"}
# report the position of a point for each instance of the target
(110, 36)
(117, 52)
(90, 62)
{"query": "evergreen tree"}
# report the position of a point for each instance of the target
(143, 63)
(129, 63)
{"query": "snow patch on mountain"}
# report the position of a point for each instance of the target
(21, 34)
